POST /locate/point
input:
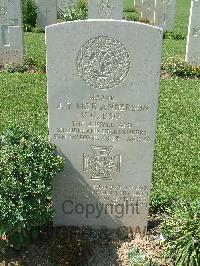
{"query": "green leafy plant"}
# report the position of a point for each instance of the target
(129, 9)
(78, 12)
(138, 258)
(178, 67)
(29, 14)
(27, 166)
(132, 16)
(38, 30)
(12, 68)
(34, 66)
(181, 230)
(3, 245)
(173, 35)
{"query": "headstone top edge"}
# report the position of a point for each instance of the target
(103, 21)
(15, 26)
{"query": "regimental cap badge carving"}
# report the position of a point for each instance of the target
(103, 62)
(105, 7)
(102, 164)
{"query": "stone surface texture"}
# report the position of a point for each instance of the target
(63, 4)
(46, 13)
(165, 14)
(103, 89)
(138, 6)
(105, 9)
(11, 33)
(148, 10)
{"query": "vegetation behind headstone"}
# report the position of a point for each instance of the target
(75, 12)
(29, 14)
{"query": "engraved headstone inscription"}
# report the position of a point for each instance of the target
(105, 9)
(46, 13)
(102, 99)
(64, 4)
(11, 33)
(165, 14)
(193, 39)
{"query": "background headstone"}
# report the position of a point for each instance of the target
(46, 13)
(165, 14)
(148, 10)
(105, 9)
(193, 39)
(11, 33)
(11, 13)
(63, 4)
(102, 98)
(138, 6)
(170, 15)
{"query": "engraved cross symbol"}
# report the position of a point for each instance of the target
(101, 163)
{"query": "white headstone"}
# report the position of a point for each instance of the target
(11, 33)
(193, 39)
(148, 10)
(105, 9)
(63, 4)
(165, 14)
(170, 15)
(102, 97)
(46, 13)
(138, 6)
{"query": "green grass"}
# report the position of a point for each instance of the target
(176, 167)
(35, 48)
(173, 48)
(178, 47)
(24, 101)
(35, 44)
(182, 16)
(128, 4)
(175, 177)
